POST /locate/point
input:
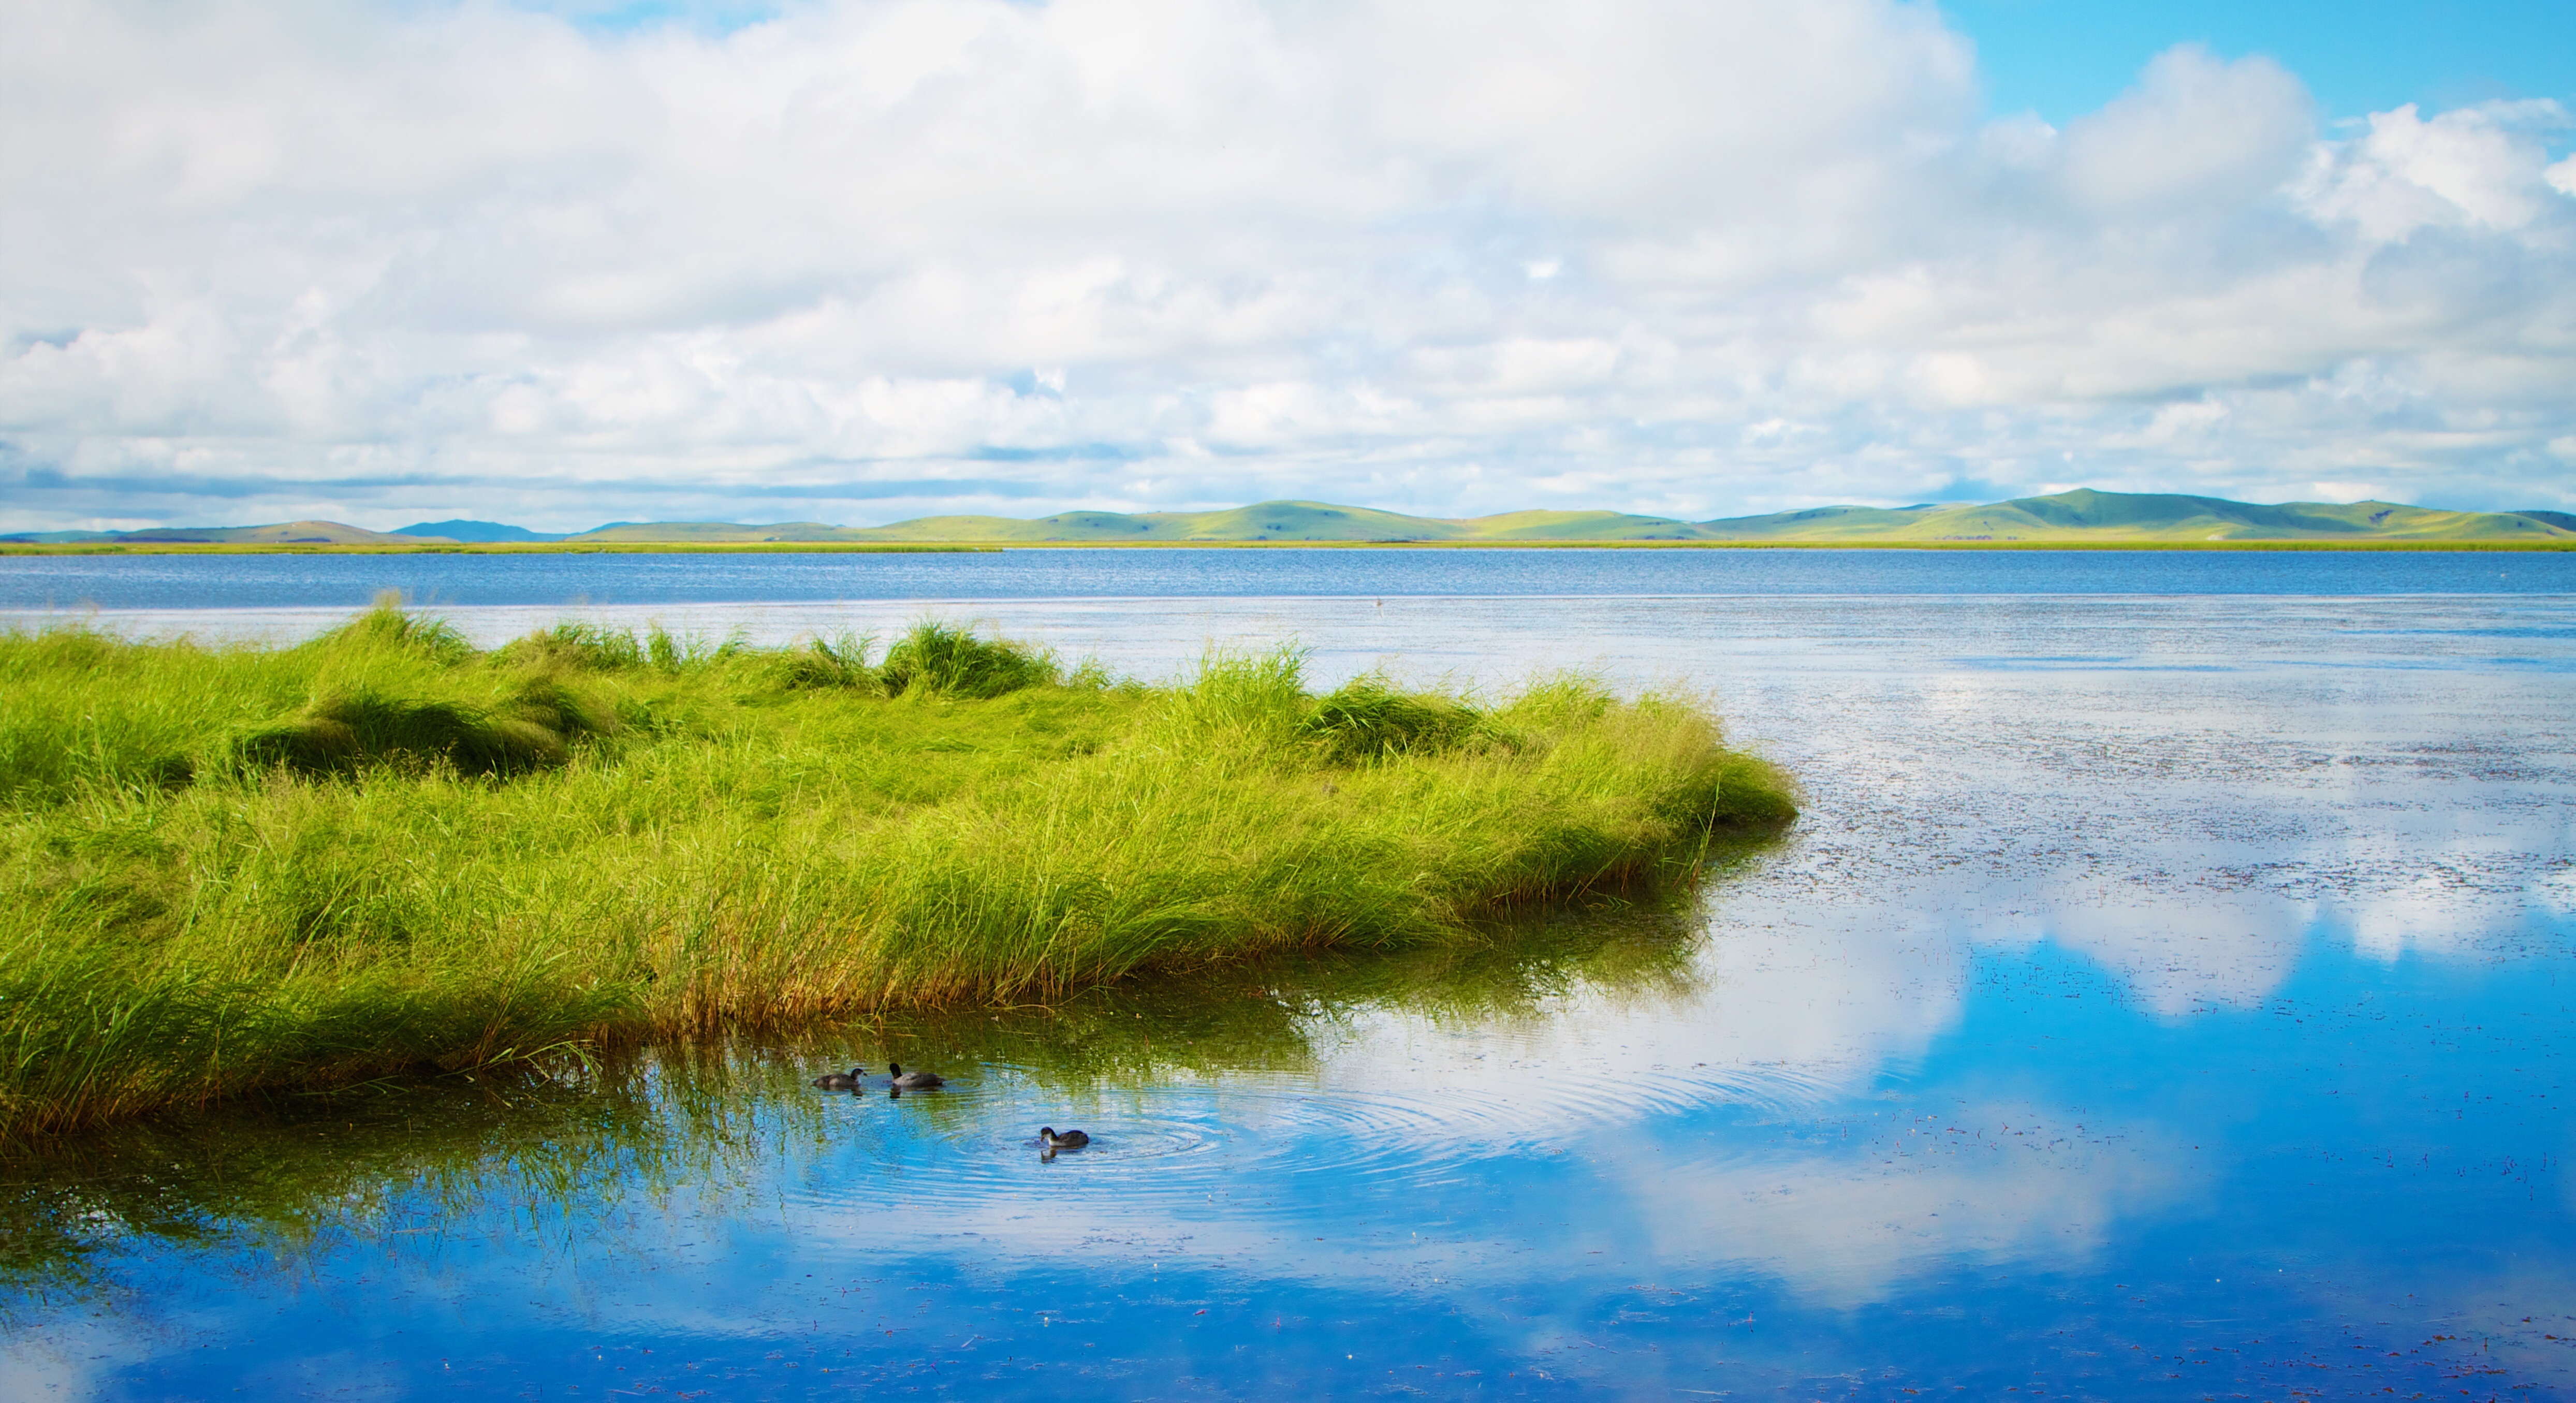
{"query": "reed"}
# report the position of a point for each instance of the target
(224, 869)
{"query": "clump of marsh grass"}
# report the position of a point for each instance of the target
(388, 626)
(827, 662)
(936, 658)
(387, 852)
(577, 646)
(1753, 794)
(1252, 703)
(532, 728)
(1368, 719)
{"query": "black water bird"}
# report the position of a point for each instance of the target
(912, 1081)
(840, 1081)
(1070, 1140)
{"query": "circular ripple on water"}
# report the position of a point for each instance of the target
(1197, 1141)
(1141, 1140)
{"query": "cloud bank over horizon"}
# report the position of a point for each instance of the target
(871, 259)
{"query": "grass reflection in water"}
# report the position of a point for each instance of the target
(567, 1151)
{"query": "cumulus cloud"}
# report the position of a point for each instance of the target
(2195, 134)
(2473, 169)
(867, 258)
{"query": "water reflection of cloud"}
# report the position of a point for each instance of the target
(2555, 891)
(1784, 1011)
(2457, 900)
(66, 1361)
(2428, 911)
(1995, 1182)
(2176, 955)
(76, 1357)
(1847, 1228)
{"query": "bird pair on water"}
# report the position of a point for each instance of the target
(896, 1076)
(923, 1081)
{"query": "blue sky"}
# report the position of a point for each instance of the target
(2062, 58)
(857, 260)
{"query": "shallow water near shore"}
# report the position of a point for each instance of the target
(2166, 995)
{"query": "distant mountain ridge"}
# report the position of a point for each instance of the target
(285, 533)
(2083, 515)
(481, 533)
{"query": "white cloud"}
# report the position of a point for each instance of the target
(2195, 134)
(2475, 168)
(1716, 256)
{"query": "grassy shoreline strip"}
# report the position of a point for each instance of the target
(230, 869)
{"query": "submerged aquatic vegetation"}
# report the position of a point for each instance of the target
(383, 851)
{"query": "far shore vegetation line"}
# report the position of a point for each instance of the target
(992, 547)
(381, 852)
(2080, 519)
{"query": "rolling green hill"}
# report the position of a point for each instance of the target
(2083, 516)
(2087, 515)
(708, 533)
(1283, 521)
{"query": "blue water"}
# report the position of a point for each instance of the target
(2353, 1183)
(2166, 995)
(279, 581)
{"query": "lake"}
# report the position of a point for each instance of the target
(2165, 996)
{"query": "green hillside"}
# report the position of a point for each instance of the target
(1580, 526)
(2082, 515)
(2087, 515)
(984, 529)
(284, 533)
(1302, 521)
(1284, 521)
(707, 533)
(1264, 521)
(1816, 524)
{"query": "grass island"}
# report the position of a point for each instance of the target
(227, 869)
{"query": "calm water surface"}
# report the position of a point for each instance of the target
(2167, 996)
(250, 582)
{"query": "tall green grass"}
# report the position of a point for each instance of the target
(230, 868)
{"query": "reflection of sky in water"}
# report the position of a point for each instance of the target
(2165, 997)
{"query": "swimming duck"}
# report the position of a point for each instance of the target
(912, 1081)
(1070, 1140)
(840, 1081)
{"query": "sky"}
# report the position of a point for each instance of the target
(862, 260)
